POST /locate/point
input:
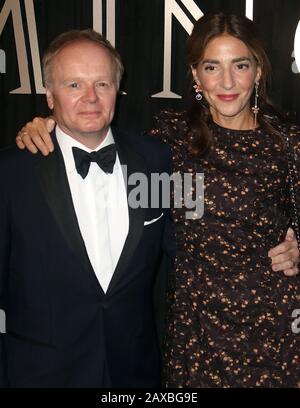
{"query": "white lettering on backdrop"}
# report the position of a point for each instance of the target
(173, 8)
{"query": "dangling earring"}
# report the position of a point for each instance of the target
(255, 108)
(198, 91)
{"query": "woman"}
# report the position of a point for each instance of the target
(230, 315)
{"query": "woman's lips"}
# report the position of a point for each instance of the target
(227, 97)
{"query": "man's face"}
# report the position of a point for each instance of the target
(83, 91)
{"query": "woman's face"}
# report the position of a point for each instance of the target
(227, 74)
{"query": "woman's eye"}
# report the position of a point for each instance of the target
(210, 68)
(74, 85)
(242, 66)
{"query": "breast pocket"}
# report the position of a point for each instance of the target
(154, 219)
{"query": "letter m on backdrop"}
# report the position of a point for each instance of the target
(13, 8)
(2, 62)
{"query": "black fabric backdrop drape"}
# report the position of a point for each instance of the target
(139, 37)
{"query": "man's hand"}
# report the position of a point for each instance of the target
(35, 136)
(285, 256)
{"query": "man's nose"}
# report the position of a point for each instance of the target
(90, 94)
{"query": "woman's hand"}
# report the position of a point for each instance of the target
(35, 136)
(285, 256)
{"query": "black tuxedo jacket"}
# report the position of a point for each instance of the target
(62, 330)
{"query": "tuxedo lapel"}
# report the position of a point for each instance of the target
(134, 164)
(53, 177)
(52, 174)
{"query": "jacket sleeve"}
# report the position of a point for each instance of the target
(165, 270)
(4, 260)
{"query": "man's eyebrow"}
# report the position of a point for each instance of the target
(70, 80)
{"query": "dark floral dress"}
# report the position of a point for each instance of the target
(230, 315)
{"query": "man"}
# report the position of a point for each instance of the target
(77, 273)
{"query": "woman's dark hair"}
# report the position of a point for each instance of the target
(205, 29)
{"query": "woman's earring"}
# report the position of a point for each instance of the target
(198, 91)
(255, 108)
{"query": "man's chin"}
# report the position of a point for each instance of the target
(93, 129)
(93, 132)
(93, 126)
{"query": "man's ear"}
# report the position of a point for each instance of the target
(50, 99)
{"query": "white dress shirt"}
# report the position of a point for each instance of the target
(100, 202)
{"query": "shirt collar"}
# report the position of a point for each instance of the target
(66, 143)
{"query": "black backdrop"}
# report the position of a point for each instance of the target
(139, 36)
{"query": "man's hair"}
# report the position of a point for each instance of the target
(77, 36)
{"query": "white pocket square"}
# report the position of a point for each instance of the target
(154, 220)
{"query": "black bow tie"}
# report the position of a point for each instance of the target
(105, 158)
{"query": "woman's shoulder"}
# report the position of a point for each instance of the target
(290, 133)
(170, 116)
(290, 130)
(294, 138)
(294, 130)
(170, 126)
(283, 125)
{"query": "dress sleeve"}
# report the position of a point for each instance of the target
(294, 135)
